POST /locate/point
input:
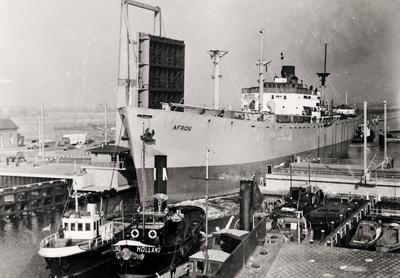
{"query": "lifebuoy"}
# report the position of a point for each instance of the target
(152, 234)
(135, 233)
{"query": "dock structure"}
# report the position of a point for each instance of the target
(24, 199)
(348, 224)
(335, 175)
(278, 257)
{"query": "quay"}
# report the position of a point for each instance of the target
(276, 256)
(336, 176)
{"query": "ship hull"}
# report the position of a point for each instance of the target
(68, 266)
(239, 149)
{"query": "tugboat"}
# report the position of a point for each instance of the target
(367, 235)
(359, 136)
(390, 239)
(82, 243)
(158, 240)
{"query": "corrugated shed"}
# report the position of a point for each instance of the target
(7, 124)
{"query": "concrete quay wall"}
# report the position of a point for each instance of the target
(276, 184)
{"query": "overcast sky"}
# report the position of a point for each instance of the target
(66, 51)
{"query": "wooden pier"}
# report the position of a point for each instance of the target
(25, 199)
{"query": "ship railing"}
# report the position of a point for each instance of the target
(49, 239)
(118, 165)
(385, 212)
(346, 224)
(346, 196)
(354, 174)
(327, 160)
(86, 245)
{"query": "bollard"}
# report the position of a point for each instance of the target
(348, 227)
(322, 235)
(328, 243)
(332, 227)
(341, 218)
(311, 241)
(338, 238)
(361, 213)
(348, 212)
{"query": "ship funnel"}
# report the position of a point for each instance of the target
(92, 209)
(287, 71)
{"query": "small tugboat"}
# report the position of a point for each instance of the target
(82, 243)
(390, 239)
(359, 136)
(159, 240)
(367, 235)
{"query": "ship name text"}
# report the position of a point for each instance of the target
(146, 249)
(182, 127)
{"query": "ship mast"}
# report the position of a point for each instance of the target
(217, 55)
(261, 65)
(206, 242)
(323, 75)
(261, 73)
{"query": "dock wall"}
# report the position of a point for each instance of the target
(334, 183)
(238, 258)
(24, 199)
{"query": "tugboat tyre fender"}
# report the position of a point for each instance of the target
(135, 233)
(152, 234)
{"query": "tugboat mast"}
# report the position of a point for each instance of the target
(217, 55)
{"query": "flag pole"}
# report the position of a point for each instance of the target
(122, 211)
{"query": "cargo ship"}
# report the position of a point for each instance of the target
(277, 120)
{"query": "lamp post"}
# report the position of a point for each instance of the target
(309, 168)
(42, 113)
(40, 130)
(105, 121)
(376, 176)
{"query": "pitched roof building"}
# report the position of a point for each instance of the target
(9, 136)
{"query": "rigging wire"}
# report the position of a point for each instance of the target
(195, 81)
(113, 170)
(335, 92)
(232, 74)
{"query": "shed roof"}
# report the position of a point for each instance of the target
(109, 149)
(7, 124)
